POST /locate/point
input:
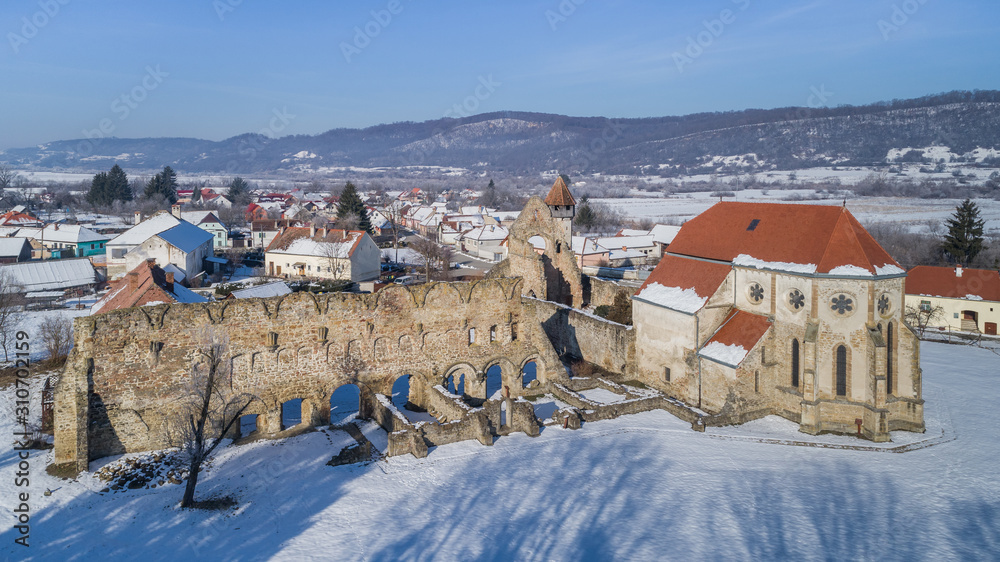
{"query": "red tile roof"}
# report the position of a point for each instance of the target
(146, 284)
(822, 235)
(285, 240)
(560, 195)
(12, 218)
(742, 329)
(945, 282)
(684, 273)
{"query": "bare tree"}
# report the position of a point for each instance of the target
(11, 311)
(921, 317)
(436, 259)
(394, 214)
(8, 177)
(210, 409)
(56, 333)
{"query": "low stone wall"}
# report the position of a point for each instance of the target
(603, 291)
(577, 334)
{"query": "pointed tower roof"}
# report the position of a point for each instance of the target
(560, 195)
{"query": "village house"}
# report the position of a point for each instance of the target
(165, 238)
(146, 285)
(13, 250)
(255, 212)
(267, 290)
(64, 240)
(18, 218)
(209, 222)
(263, 232)
(485, 242)
(955, 298)
(349, 255)
(54, 276)
(790, 309)
(589, 252)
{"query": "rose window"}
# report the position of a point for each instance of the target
(883, 305)
(842, 304)
(796, 299)
(756, 293)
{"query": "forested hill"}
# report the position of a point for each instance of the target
(524, 143)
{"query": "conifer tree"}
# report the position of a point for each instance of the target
(98, 194)
(163, 184)
(108, 187)
(585, 217)
(351, 205)
(964, 240)
(238, 190)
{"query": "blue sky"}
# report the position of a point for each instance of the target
(216, 68)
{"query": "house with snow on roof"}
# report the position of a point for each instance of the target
(209, 222)
(794, 310)
(146, 285)
(13, 250)
(485, 242)
(165, 238)
(954, 298)
(83, 241)
(349, 255)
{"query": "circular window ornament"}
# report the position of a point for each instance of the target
(755, 293)
(796, 300)
(884, 305)
(842, 304)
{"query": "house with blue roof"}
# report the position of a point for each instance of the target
(164, 238)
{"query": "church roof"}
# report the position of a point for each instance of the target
(797, 238)
(683, 284)
(734, 339)
(560, 195)
(952, 282)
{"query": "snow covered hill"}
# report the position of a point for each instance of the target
(642, 487)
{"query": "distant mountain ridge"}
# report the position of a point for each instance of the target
(526, 143)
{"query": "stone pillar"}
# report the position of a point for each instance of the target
(72, 414)
(366, 407)
(475, 385)
(269, 423)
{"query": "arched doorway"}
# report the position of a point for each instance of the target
(248, 424)
(529, 373)
(291, 413)
(345, 404)
(456, 386)
(494, 382)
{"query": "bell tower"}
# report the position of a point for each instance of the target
(562, 205)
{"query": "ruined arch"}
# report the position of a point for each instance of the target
(550, 275)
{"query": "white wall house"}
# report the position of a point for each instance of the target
(209, 222)
(165, 238)
(324, 254)
(955, 298)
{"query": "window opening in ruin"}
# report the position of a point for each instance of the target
(503, 414)
(458, 388)
(493, 334)
(345, 404)
(795, 363)
(291, 413)
(472, 336)
(756, 381)
(494, 382)
(322, 333)
(272, 339)
(528, 373)
(513, 332)
(841, 371)
(248, 424)
(666, 374)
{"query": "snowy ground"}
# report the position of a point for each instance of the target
(642, 487)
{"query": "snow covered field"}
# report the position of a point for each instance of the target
(642, 487)
(914, 213)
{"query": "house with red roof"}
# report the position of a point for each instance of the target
(786, 309)
(954, 298)
(146, 285)
(17, 218)
(323, 254)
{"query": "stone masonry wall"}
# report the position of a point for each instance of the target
(595, 340)
(128, 368)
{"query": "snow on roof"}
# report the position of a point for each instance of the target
(487, 233)
(10, 247)
(744, 260)
(619, 242)
(198, 217)
(625, 254)
(145, 285)
(955, 283)
(297, 241)
(179, 274)
(275, 289)
(664, 233)
(66, 233)
(53, 274)
(583, 246)
(185, 295)
(145, 230)
(186, 236)
(734, 339)
(683, 284)
(827, 236)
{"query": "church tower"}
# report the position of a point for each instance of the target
(562, 205)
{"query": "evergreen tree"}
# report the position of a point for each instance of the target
(108, 187)
(118, 186)
(351, 205)
(585, 217)
(964, 240)
(489, 198)
(238, 190)
(196, 194)
(163, 184)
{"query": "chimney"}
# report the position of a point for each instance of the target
(281, 230)
(958, 271)
(322, 233)
(133, 281)
(137, 218)
(175, 210)
(312, 230)
(345, 233)
(55, 227)
(170, 281)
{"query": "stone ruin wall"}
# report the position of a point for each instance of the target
(128, 367)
